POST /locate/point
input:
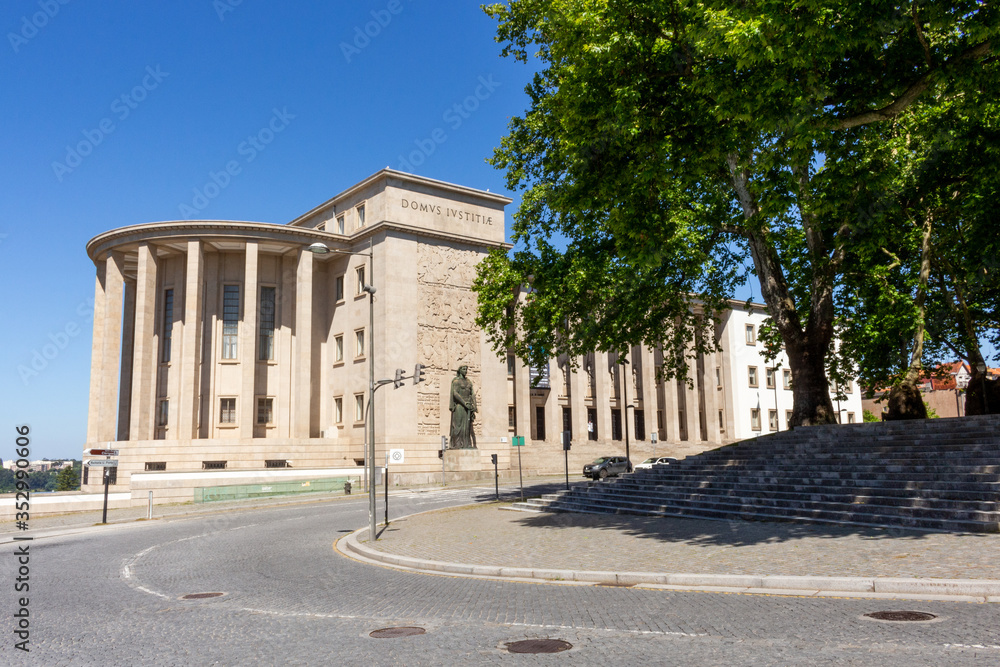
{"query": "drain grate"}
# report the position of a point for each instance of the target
(201, 596)
(394, 633)
(901, 616)
(539, 646)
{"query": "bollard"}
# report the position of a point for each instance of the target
(149, 512)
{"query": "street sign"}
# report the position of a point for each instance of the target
(517, 441)
(106, 463)
(102, 452)
(396, 456)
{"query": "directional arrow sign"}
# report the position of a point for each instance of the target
(106, 463)
(103, 452)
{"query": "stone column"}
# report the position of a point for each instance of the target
(114, 283)
(190, 380)
(712, 399)
(128, 349)
(302, 346)
(649, 406)
(577, 393)
(247, 351)
(522, 401)
(97, 355)
(603, 391)
(553, 409)
(671, 420)
(145, 355)
(692, 403)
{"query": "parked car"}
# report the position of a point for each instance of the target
(655, 461)
(607, 465)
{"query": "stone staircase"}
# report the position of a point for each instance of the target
(933, 474)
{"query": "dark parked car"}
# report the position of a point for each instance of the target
(607, 465)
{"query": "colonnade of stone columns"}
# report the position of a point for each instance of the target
(127, 347)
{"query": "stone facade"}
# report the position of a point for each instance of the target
(231, 346)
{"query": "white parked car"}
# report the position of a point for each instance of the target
(656, 461)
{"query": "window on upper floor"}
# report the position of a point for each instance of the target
(230, 320)
(752, 375)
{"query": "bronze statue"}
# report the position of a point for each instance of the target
(463, 411)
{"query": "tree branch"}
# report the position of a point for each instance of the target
(912, 93)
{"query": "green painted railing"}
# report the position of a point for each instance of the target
(209, 494)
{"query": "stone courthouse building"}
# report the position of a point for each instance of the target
(229, 353)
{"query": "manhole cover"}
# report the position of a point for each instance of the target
(539, 646)
(201, 596)
(901, 616)
(393, 633)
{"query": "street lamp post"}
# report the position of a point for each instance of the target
(322, 249)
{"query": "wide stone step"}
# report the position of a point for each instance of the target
(873, 505)
(779, 476)
(959, 469)
(747, 511)
(957, 492)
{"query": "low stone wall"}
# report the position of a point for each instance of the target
(42, 504)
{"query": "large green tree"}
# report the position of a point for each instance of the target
(667, 141)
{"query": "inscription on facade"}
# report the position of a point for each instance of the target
(447, 211)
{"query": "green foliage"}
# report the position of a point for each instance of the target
(870, 416)
(68, 479)
(667, 143)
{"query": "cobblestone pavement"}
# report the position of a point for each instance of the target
(486, 535)
(112, 596)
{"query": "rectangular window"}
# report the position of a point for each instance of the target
(360, 272)
(338, 348)
(168, 322)
(769, 372)
(511, 417)
(276, 463)
(340, 224)
(359, 407)
(786, 378)
(751, 334)
(539, 422)
(265, 411)
(752, 375)
(227, 410)
(361, 216)
(230, 320)
(616, 424)
(266, 324)
(164, 413)
(213, 465)
(156, 465)
(788, 416)
(591, 424)
(359, 343)
(718, 376)
(338, 410)
(338, 289)
(772, 420)
(511, 364)
(850, 417)
(755, 419)
(640, 424)
(568, 421)
(722, 421)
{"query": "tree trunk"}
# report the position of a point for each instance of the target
(807, 346)
(905, 401)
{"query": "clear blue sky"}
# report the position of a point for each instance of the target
(200, 77)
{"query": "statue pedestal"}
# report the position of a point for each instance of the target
(462, 460)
